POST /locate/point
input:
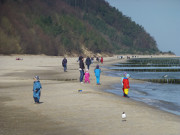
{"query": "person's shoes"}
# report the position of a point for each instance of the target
(82, 82)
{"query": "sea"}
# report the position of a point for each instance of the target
(161, 76)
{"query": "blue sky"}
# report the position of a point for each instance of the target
(160, 18)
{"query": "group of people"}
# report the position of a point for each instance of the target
(97, 71)
(86, 74)
(99, 59)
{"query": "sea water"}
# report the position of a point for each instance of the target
(165, 96)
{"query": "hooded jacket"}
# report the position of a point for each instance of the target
(36, 89)
(97, 71)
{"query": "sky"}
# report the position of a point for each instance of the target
(160, 18)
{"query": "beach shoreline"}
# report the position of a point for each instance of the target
(66, 111)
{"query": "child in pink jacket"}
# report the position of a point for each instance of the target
(87, 75)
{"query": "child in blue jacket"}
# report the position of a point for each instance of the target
(36, 89)
(97, 72)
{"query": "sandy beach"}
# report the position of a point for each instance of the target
(65, 111)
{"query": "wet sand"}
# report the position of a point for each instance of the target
(64, 110)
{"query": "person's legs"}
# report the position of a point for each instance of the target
(98, 79)
(36, 100)
(126, 93)
(65, 68)
(85, 80)
(123, 92)
(81, 75)
(88, 80)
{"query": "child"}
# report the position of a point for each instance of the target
(97, 72)
(87, 75)
(126, 85)
(36, 89)
(101, 60)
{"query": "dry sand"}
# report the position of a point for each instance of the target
(64, 110)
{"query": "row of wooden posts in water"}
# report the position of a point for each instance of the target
(169, 81)
(154, 62)
(150, 70)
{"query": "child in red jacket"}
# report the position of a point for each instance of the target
(101, 60)
(126, 85)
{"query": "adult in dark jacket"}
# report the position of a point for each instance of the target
(64, 64)
(88, 62)
(81, 68)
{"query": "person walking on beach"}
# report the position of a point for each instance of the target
(64, 64)
(126, 85)
(97, 72)
(101, 60)
(97, 59)
(36, 89)
(88, 62)
(81, 68)
(87, 75)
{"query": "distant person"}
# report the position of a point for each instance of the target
(97, 59)
(87, 75)
(81, 68)
(79, 58)
(64, 64)
(36, 89)
(92, 59)
(126, 85)
(97, 72)
(101, 60)
(88, 62)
